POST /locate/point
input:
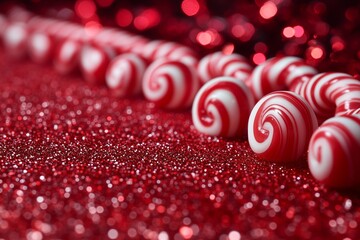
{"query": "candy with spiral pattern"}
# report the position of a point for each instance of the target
(334, 156)
(331, 93)
(222, 107)
(170, 84)
(280, 126)
(278, 73)
(219, 64)
(124, 74)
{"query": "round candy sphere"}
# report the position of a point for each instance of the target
(222, 107)
(280, 126)
(334, 155)
(170, 84)
(125, 73)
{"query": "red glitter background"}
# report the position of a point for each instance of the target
(79, 163)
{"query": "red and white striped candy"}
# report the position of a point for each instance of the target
(330, 93)
(15, 40)
(222, 107)
(125, 73)
(93, 64)
(219, 64)
(170, 50)
(66, 57)
(278, 73)
(170, 84)
(280, 126)
(334, 156)
(40, 47)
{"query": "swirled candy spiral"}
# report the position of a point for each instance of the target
(222, 107)
(170, 84)
(219, 64)
(280, 126)
(330, 93)
(278, 73)
(334, 156)
(124, 74)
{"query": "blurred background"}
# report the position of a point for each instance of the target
(325, 33)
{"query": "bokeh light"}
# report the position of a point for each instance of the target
(104, 3)
(147, 19)
(258, 58)
(124, 17)
(316, 53)
(268, 10)
(190, 7)
(85, 9)
(288, 32)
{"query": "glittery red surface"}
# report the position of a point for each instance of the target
(78, 163)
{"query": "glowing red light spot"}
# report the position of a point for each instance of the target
(186, 232)
(104, 3)
(228, 49)
(268, 10)
(124, 17)
(299, 31)
(190, 7)
(338, 46)
(243, 31)
(204, 38)
(289, 32)
(316, 53)
(147, 19)
(261, 47)
(259, 58)
(85, 8)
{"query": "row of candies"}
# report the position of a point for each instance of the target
(278, 104)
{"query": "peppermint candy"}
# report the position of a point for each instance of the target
(66, 57)
(334, 156)
(331, 93)
(280, 126)
(278, 73)
(222, 107)
(124, 74)
(219, 64)
(170, 84)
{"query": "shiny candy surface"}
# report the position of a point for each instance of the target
(66, 57)
(332, 93)
(278, 73)
(334, 156)
(222, 107)
(219, 64)
(40, 47)
(15, 40)
(125, 74)
(280, 126)
(93, 64)
(170, 84)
